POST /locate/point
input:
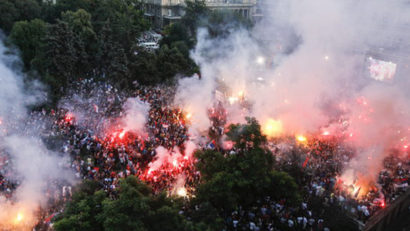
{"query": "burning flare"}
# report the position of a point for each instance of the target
(182, 192)
(272, 128)
(19, 218)
(301, 138)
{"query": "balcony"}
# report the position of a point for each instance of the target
(230, 3)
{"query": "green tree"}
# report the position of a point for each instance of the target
(9, 14)
(176, 32)
(79, 23)
(228, 181)
(162, 66)
(28, 37)
(59, 55)
(170, 62)
(195, 12)
(52, 12)
(125, 18)
(17, 10)
(68, 51)
(111, 58)
(135, 209)
(81, 213)
(144, 68)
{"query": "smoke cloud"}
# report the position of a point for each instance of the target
(305, 65)
(30, 163)
(136, 114)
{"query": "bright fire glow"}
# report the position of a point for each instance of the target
(232, 100)
(19, 217)
(260, 60)
(326, 133)
(121, 135)
(69, 117)
(272, 128)
(301, 138)
(355, 184)
(182, 192)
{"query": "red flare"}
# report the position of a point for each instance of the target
(121, 135)
(69, 117)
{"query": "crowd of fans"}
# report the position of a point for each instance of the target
(110, 157)
(95, 152)
(317, 166)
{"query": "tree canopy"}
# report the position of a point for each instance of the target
(243, 177)
(28, 37)
(136, 208)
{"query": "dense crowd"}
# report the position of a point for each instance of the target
(108, 158)
(319, 165)
(95, 148)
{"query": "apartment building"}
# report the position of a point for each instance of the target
(164, 12)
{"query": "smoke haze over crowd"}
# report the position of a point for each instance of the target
(304, 65)
(32, 164)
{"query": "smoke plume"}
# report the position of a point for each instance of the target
(305, 65)
(29, 163)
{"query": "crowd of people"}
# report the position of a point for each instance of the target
(95, 148)
(317, 166)
(111, 155)
(7, 181)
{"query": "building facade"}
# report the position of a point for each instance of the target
(164, 12)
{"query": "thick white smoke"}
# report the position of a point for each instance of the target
(164, 157)
(32, 164)
(136, 114)
(103, 110)
(304, 65)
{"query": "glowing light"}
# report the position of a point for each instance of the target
(356, 190)
(326, 133)
(232, 100)
(260, 60)
(301, 138)
(188, 115)
(326, 58)
(382, 204)
(68, 117)
(121, 135)
(272, 128)
(19, 218)
(175, 163)
(227, 145)
(182, 192)
(355, 183)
